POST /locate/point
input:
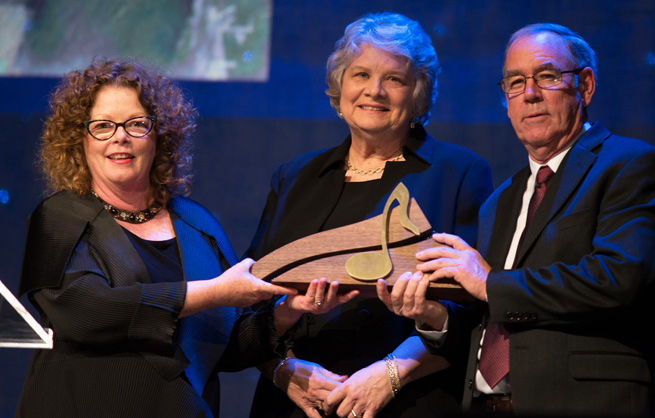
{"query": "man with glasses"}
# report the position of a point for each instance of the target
(564, 272)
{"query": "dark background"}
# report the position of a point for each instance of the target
(247, 129)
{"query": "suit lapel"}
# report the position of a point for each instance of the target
(564, 184)
(508, 208)
(203, 335)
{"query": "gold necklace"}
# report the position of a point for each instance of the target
(372, 170)
(137, 217)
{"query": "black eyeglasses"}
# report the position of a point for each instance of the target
(137, 127)
(515, 84)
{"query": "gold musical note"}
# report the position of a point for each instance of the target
(373, 265)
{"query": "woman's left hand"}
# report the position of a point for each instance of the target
(364, 393)
(408, 299)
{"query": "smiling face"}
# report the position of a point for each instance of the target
(546, 119)
(122, 163)
(376, 93)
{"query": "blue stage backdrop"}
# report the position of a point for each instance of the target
(251, 123)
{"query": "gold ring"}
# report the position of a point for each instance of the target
(318, 302)
(352, 411)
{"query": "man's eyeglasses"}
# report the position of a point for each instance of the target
(138, 127)
(515, 84)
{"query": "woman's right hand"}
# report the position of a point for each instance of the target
(319, 298)
(235, 287)
(307, 384)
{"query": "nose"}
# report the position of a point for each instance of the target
(375, 87)
(532, 90)
(120, 135)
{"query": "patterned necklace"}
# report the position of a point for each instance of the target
(372, 170)
(137, 217)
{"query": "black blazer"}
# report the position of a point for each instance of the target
(119, 349)
(448, 182)
(583, 285)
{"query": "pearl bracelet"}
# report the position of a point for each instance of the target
(392, 372)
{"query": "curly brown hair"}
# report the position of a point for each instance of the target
(61, 152)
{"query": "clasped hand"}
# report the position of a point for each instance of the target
(312, 387)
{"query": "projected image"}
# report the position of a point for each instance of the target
(191, 39)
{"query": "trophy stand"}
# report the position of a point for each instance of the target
(18, 328)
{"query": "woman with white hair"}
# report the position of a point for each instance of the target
(358, 360)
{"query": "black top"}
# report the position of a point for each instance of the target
(161, 258)
(363, 328)
(358, 199)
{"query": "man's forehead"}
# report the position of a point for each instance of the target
(537, 51)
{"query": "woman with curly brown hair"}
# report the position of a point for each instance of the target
(133, 277)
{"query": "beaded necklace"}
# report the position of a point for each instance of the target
(137, 217)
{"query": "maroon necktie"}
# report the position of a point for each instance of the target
(543, 177)
(494, 358)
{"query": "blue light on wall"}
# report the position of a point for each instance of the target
(650, 59)
(4, 196)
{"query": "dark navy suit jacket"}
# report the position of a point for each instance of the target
(582, 290)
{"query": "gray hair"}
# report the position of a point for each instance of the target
(583, 55)
(396, 34)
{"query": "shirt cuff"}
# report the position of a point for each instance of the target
(438, 337)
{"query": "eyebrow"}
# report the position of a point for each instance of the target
(358, 68)
(401, 72)
(541, 67)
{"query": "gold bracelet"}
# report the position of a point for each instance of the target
(280, 364)
(392, 372)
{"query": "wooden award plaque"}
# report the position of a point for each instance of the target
(357, 255)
